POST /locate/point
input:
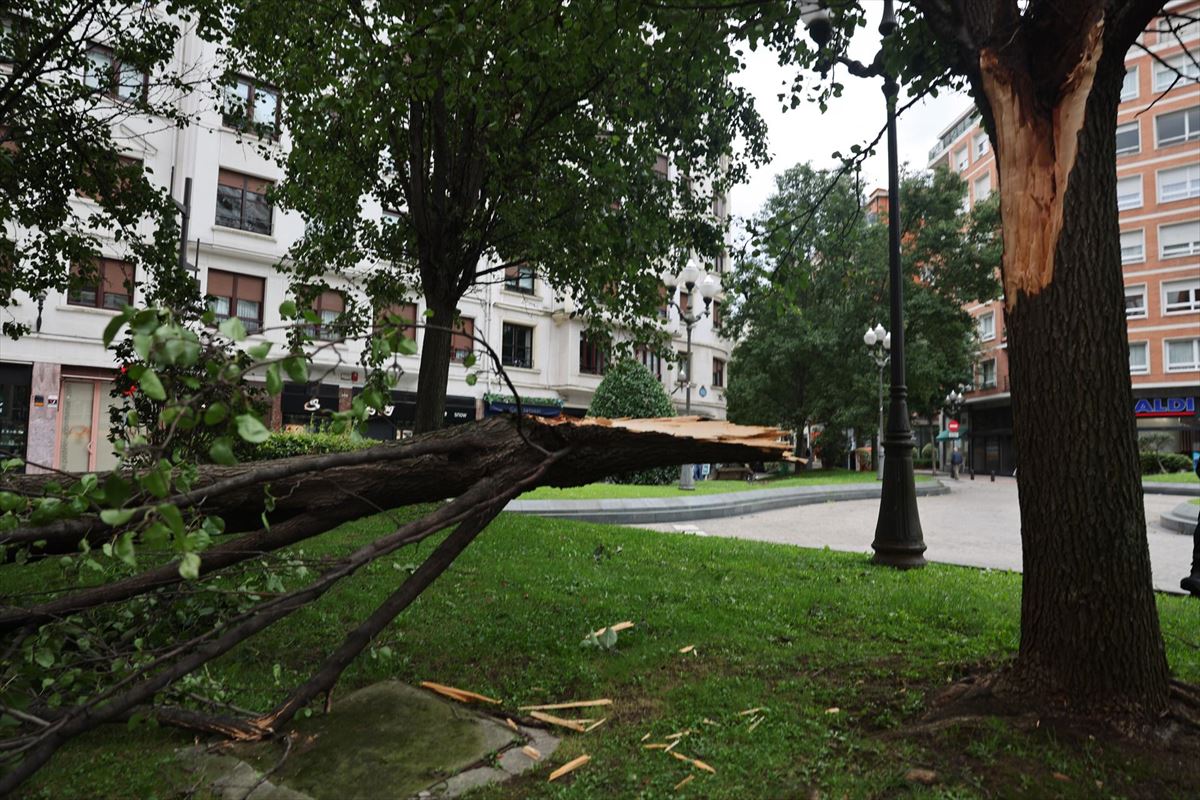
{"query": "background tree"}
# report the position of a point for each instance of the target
(800, 356)
(629, 389)
(72, 72)
(1046, 77)
(498, 135)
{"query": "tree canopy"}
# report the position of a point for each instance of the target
(821, 279)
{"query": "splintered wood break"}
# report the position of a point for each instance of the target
(533, 753)
(685, 782)
(617, 628)
(570, 766)
(461, 695)
(695, 762)
(595, 725)
(687, 649)
(576, 704)
(572, 724)
(1035, 153)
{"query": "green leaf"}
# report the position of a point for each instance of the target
(152, 386)
(259, 351)
(116, 517)
(274, 379)
(250, 428)
(189, 566)
(124, 549)
(469, 361)
(407, 346)
(11, 502)
(472, 378)
(287, 309)
(44, 657)
(114, 327)
(156, 482)
(221, 452)
(172, 516)
(142, 342)
(215, 414)
(297, 368)
(233, 329)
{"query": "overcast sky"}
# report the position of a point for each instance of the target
(805, 134)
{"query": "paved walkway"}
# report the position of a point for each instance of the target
(976, 524)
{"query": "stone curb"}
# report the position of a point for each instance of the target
(644, 510)
(1187, 490)
(1181, 518)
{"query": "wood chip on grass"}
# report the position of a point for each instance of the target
(695, 762)
(533, 753)
(750, 711)
(511, 724)
(570, 766)
(685, 782)
(570, 724)
(616, 628)
(461, 695)
(604, 701)
(595, 725)
(687, 649)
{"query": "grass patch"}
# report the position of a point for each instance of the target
(609, 491)
(1172, 477)
(796, 631)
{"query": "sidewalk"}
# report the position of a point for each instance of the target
(651, 510)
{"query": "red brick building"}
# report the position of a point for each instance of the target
(1158, 203)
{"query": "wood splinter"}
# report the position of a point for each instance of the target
(570, 766)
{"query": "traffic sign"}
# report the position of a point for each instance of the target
(952, 426)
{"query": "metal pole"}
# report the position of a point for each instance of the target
(686, 478)
(879, 430)
(899, 541)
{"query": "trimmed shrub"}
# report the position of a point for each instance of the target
(629, 389)
(286, 445)
(1154, 463)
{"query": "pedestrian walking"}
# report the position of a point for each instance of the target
(955, 463)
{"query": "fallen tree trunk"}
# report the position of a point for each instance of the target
(483, 466)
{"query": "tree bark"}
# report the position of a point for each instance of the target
(435, 365)
(1090, 639)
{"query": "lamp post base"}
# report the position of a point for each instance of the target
(687, 481)
(899, 540)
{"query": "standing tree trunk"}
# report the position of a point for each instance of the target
(1090, 639)
(435, 365)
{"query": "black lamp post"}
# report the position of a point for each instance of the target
(953, 402)
(899, 541)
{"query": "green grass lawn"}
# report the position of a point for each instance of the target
(1172, 477)
(607, 491)
(838, 653)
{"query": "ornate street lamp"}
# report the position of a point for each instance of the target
(899, 541)
(709, 286)
(953, 402)
(879, 345)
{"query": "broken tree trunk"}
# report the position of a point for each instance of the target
(483, 466)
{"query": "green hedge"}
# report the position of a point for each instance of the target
(286, 445)
(629, 389)
(1154, 463)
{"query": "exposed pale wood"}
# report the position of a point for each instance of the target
(570, 766)
(571, 724)
(595, 725)
(620, 626)
(459, 694)
(695, 762)
(685, 782)
(533, 753)
(604, 701)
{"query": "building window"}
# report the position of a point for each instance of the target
(462, 339)
(1129, 88)
(685, 366)
(661, 164)
(960, 159)
(1177, 25)
(981, 145)
(406, 312)
(716, 314)
(106, 74)
(1129, 138)
(329, 306)
(987, 374)
(986, 325)
(1178, 126)
(233, 295)
(983, 187)
(1180, 297)
(127, 171)
(592, 358)
(1135, 302)
(718, 372)
(1129, 192)
(242, 202)
(1183, 355)
(109, 285)
(516, 346)
(519, 279)
(650, 360)
(1178, 240)
(1133, 246)
(1181, 183)
(1165, 74)
(252, 105)
(719, 207)
(1139, 358)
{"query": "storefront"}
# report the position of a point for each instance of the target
(398, 418)
(304, 406)
(15, 383)
(990, 444)
(1174, 413)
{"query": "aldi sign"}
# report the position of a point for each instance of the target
(1164, 407)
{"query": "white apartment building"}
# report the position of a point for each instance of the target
(55, 383)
